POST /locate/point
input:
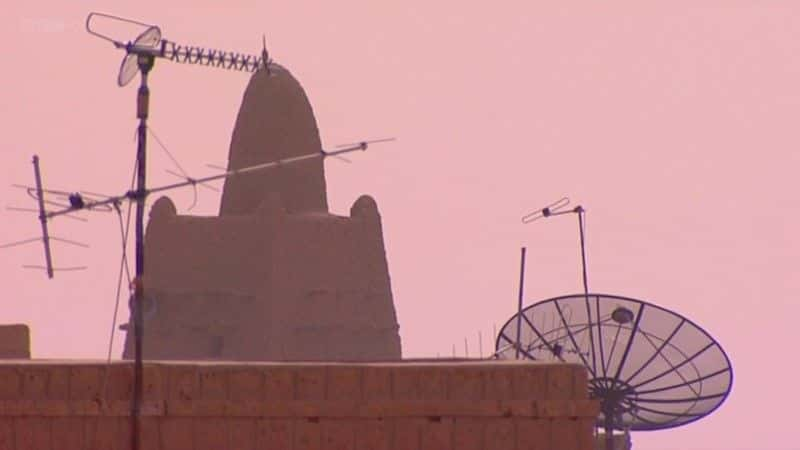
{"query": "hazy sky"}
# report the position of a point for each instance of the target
(673, 125)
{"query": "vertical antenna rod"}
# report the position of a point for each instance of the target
(519, 305)
(42, 216)
(580, 211)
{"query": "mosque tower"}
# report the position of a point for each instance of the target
(274, 277)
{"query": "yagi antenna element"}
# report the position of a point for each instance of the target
(150, 44)
(38, 193)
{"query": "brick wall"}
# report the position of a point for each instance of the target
(205, 406)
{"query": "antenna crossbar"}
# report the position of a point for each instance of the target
(137, 194)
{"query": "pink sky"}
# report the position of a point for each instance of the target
(674, 126)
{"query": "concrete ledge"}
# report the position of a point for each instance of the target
(278, 409)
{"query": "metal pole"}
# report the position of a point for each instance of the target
(142, 107)
(609, 426)
(580, 211)
(43, 217)
(519, 305)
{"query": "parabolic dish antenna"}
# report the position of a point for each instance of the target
(650, 368)
(130, 67)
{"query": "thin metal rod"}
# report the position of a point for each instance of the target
(519, 303)
(43, 217)
(670, 364)
(630, 342)
(657, 352)
(572, 338)
(133, 195)
(513, 344)
(692, 400)
(609, 426)
(674, 368)
(549, 346)
(580, 211)
(22, 242)
(699, 379)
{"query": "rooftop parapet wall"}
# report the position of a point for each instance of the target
(408, 405)
(15, 342)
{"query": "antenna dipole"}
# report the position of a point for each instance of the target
(81, 203)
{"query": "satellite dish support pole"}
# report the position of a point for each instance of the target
(145, 62)
(608, 413)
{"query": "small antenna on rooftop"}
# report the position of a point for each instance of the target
(649, 367)
(38, 193)
(265, 60)
(552, 209)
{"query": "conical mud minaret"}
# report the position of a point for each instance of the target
(275, 276)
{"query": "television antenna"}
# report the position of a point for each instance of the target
(650, 367)
(140, 56)
(38, 193)
(557, 208)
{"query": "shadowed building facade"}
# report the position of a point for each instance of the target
(275, 276)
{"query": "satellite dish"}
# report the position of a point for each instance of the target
(651, 368)
(130, 67)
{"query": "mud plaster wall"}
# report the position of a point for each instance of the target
(274, 276)
(15, 342)
(440, 405)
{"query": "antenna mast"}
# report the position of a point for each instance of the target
(145, 63)
(144, 49)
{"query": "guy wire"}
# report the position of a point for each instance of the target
(176, 163)
(122, 268)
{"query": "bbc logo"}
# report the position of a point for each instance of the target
(42, 25)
